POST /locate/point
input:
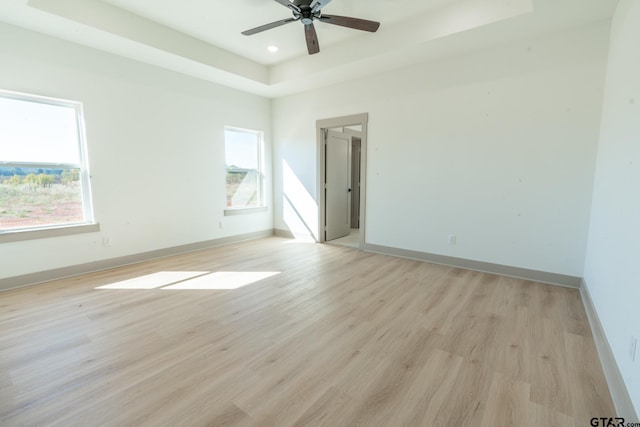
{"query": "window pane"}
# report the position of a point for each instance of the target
(242, 188)
(32, 197)
(241, 150)
(38, 132)
(242, 158)
(43, 175)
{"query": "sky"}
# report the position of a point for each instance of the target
(36, 132)
(241, 149)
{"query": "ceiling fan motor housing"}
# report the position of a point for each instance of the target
(306, 14)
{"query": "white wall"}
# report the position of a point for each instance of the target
(156, 150)
(611, 272)
(497, 147)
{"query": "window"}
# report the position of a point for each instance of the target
(243, 160)
(44, 181)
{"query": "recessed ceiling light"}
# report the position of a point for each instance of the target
(272, 49)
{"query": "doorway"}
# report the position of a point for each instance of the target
(342, 143)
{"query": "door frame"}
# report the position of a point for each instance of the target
(321, 126)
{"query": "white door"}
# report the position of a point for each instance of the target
(355, 181)
(337, 179)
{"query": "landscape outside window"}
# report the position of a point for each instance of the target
(43, 177)
(243, 168)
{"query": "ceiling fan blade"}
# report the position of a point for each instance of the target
(265, 27)
(355, 23)
(287, 3)
(316, 5)
(312, 39)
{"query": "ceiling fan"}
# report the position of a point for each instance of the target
(307, 11)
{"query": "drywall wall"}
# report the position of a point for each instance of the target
(496, 146)
(156, 150)
(611, 271)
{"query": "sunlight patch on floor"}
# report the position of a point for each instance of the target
(155, 280)
(222, 280)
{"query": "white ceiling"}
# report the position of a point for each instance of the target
(202, 38)
(218, 24)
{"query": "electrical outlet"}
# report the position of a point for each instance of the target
(633, 347)
(106, 242)
(452, 239)
(220, 224)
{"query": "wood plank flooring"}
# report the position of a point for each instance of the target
(334, 337)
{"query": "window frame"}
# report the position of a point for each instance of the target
(262, 205)
(51, 230)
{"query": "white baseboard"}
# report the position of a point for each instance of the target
(283, 233)
(75, 270)
(485, 267)
(619, 393)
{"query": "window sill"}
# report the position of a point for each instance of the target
(245, 211)
(43, 233)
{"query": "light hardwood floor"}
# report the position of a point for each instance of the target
(337, 337)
